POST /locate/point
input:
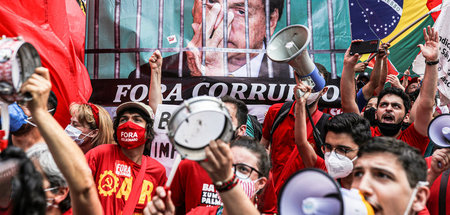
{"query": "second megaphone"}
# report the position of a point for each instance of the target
(289, 45)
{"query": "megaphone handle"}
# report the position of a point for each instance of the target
(175, 164)
(299, 93)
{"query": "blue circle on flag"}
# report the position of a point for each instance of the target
(374, 19)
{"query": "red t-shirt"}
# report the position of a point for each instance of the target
(202, 210)
(114, 176)
(283, 141)
(433, 200)
(294, 164)
(192, 187)
(409, 136)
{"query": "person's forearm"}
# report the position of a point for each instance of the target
(425, 101)
(374, 81)
(347, 88)
(306, 151)
(383, 75)
(154, 94)
(71, 162)
(235, 202)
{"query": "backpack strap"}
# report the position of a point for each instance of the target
(281, 115)
(320, 128)
(443, 192)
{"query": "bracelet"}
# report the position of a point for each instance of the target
(226, 185)
(431, 63)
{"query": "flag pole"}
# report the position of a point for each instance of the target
(435, 9)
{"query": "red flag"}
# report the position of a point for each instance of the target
(391, 68)
(56, 28)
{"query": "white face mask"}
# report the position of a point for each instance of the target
(413, 195)
(312, 97)
(338, 167)
(75, 134)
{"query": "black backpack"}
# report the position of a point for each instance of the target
(319, 128)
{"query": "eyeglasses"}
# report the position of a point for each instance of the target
(243, 171)
(50, 189)
(340, 151)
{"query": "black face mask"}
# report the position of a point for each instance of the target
(360, 84)
(388, 129)
(369, 114)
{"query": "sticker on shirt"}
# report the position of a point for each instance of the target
(209, 195)
(122, 169)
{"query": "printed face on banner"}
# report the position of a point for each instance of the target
(236, 34)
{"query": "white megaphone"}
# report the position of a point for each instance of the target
(312, 191)
(289, 46)
(439, 130)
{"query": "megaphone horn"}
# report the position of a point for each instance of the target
(439, 130)
(289, 46)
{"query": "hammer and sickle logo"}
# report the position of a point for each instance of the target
(109, 181)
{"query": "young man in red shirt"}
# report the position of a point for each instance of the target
(116, 169)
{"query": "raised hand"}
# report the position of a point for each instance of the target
(39, 86)
(430, 50)
(218, 161)
(214, 39)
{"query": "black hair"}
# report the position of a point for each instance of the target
(350, 123)
(275, 4)
(398, 92)
(410, 158)
(323, 71)
(241, 109)
(252, 145)
(28, 196)
(149, 132)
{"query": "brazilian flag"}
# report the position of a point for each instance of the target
(383, 19)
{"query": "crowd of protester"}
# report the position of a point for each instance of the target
(98, 165)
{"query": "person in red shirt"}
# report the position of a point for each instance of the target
(116, 169)
(438, 175)
(392, 176)
(345, 133)
(394, 104)
(281, 142)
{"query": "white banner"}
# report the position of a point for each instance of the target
(441, 25)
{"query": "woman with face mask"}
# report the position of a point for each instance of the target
(90, 126)
(239, 173)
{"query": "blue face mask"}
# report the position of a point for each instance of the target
(17, 117)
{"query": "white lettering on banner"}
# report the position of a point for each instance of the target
(212, 90)
(121, 92)
(236, 93)
(255, 91)
(136, 89)
(176, 91)
(335, 92)
(272, 91)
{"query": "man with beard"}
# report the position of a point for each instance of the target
(394, 104)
